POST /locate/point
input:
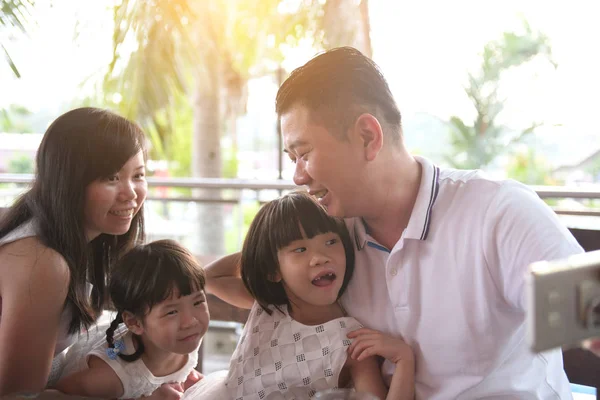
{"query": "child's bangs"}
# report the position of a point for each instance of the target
(298, 217)
(186, 276)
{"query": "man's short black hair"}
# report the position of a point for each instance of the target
(337, 86)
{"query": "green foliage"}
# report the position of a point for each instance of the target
(184, 47)
(21, 164)
(232, 236)
(230, 163)
(14, 14)
(594, 169)
(528, 168)
(477, 144)
(14, 119)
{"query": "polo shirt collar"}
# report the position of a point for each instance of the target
(420, 218)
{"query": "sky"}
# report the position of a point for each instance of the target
(425, 49)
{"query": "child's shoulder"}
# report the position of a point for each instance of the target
(347, 323)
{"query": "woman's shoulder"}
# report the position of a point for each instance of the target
(30, 259)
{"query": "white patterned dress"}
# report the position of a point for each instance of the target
(136, 378)
(279, 358)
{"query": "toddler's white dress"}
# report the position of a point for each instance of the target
(279, 358)
(136, 378)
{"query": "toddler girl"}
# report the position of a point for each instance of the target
(162, 316)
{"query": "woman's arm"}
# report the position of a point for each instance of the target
(369, 342)
(223, 279)
(34, 282)
(99, 380)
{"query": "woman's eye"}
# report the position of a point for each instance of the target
(112, 178)
(139, 176)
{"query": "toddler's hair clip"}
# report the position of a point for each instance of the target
(113, 352)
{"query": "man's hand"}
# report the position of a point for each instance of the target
(369, 342)
(592, 345)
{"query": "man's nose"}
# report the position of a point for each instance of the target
(301, 177)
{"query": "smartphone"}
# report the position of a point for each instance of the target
(563, 301)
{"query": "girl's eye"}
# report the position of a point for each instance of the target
(173, 312)
(331, 241)
(300, 250)
(198, 302)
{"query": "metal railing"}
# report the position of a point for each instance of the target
(545, 192)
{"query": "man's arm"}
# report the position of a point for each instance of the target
(520, 229)
(223, 279)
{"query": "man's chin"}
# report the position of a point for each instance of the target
(334, 211)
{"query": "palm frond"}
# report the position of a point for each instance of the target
(14, 14)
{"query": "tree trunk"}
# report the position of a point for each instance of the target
(364, 35)
(346, 24)
(206, 159)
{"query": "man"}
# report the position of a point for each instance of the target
(441, 254)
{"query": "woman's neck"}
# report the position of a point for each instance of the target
(315, 315)
(161, 362)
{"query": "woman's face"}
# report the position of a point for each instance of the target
(113, 201)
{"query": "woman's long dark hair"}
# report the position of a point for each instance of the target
(79, 147)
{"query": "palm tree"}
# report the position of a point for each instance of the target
(356, 29)
(478, 144)
(13, 14)
(206, 50)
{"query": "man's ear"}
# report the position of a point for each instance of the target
(133, 323)
(370, 134)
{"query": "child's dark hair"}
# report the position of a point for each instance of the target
(277, 224)
(146, 276)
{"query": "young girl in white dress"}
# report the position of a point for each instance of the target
(162, 316)
(296, 262)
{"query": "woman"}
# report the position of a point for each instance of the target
(59, 239)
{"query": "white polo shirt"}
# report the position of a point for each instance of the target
(453, 286)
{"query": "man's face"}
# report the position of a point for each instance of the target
(329, 165)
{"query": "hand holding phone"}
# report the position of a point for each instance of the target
(564, 301)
